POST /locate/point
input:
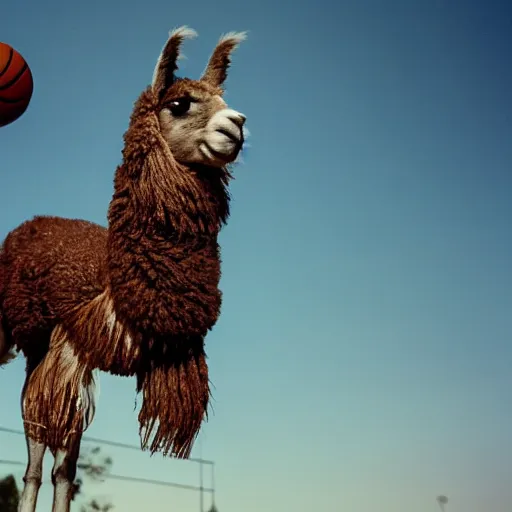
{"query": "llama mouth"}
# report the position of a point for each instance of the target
(211, 154)
(231, 136)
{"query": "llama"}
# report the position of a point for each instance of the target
(136, 298)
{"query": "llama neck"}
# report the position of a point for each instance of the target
(164, 218)
(164, 270)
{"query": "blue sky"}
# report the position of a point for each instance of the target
(362, 359)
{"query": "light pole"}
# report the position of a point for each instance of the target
(442, 501)
(201, 504)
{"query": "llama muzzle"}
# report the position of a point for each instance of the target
(224, 136)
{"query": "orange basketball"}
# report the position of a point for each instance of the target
(16, 84)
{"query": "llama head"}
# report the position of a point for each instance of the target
(194, 119)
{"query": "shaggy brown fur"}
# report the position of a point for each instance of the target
(136, 299)
(143, 292)
(57, 396)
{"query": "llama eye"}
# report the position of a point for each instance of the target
(180, 107)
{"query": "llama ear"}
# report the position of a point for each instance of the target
(163, 76)
(217, 69)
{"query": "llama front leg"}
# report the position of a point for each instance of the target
(63, 477)
(59, 401)
(32, 476)
(36, 447)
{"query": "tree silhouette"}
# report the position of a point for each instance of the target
(95, 506)
(9, 494)
(92, 466)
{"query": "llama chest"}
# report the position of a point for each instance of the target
(168, 290)
(103, 340)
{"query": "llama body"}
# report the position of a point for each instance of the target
(40, 261)
(136, 298)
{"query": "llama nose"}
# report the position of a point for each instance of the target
(238, 119)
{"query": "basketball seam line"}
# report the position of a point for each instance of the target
(9, 60)
(8, 100)
(15, 78)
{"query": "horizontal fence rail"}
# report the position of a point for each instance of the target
(110, 476)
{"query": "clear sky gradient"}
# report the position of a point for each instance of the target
(363, 358)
